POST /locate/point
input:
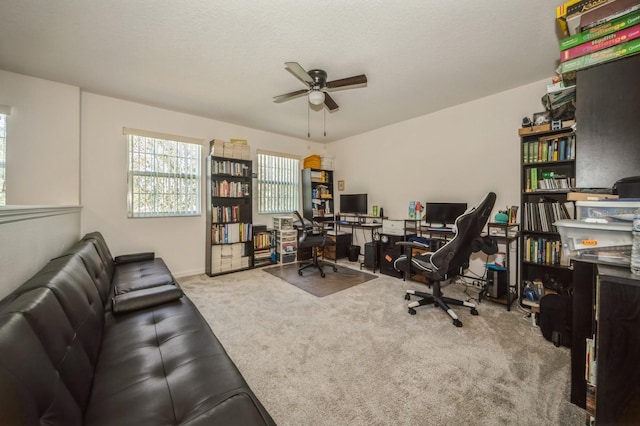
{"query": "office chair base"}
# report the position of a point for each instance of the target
(315, 263)
(441, 301)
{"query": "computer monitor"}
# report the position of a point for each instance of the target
(441, 214)
(353, 203)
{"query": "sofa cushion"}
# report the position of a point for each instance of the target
(74, 289)
(134, 300)
(32, 381)
(167, 351)
(103, 249)
(140, 275)
(87, 251)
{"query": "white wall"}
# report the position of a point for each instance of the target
(43, 168)
(43, 141)
(27, 244)
(179, 241)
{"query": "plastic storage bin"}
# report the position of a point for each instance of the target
(602, 242)
(607, 211)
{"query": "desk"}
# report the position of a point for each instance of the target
(606, 307)
(356, 225)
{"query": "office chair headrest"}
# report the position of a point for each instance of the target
(487, 245)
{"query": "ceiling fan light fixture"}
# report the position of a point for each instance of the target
(316, 97)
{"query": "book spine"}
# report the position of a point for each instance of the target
(601, 30)
(607, 12)
(584, 6)
(613, 39)
(605, 55)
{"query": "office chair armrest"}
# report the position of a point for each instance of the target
(413, 244)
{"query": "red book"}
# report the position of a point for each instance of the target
(609, 40)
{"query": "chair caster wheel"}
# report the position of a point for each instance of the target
(407, 296)
(457, 323)
(322, 274)
(412, 311)
(474, 311)
(335, 269)
(300, 273)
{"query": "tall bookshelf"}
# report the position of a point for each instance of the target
(548, 171)
(317, 195)
(229, 245)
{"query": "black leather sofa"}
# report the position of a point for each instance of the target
(95, 340)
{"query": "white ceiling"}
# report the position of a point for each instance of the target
(225, 59)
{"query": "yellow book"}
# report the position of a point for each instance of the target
(561, 15)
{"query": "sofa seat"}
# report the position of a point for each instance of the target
(169, 352)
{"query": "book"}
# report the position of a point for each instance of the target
(609, 40)
(607, 12)
(615, 52)
(561, 15)
(556, 99)
(575, 11)
(584, 6)
(601, 30)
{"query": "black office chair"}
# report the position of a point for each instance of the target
(448, 261)
(311, 235)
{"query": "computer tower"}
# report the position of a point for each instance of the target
(389, 252)
(371, 254)
(497, 283)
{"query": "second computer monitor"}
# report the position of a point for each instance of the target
(439, 215)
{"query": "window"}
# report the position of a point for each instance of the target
(4, 111)
(278, 179)
(163, 174)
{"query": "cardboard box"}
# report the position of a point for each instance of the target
(589, 196)
(534, 129)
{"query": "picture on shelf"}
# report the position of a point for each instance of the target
(540, 118)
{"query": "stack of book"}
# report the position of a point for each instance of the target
(597, 31)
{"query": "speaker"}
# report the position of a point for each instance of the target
(389, 252)
(497, 283)
(371, 254)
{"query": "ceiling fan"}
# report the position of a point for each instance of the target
(318, 86)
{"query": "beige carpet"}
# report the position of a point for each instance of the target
(313, 283)
(356, 357)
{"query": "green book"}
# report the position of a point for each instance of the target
(605, 55)
(614, 25)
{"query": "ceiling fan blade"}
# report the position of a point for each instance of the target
(299, 72)
(292, 95)
(347, 83)
(330, 103)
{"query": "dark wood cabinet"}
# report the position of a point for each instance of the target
(606, 308)
(618, 343)
(607, 112)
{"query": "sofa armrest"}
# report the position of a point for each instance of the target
(134, 300)
(134, 257)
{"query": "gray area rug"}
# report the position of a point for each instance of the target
(356, 357)
(313, 283)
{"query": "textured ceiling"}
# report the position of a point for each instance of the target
(225, 59)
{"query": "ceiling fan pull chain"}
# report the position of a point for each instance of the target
(325, 121)
(308, 119)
